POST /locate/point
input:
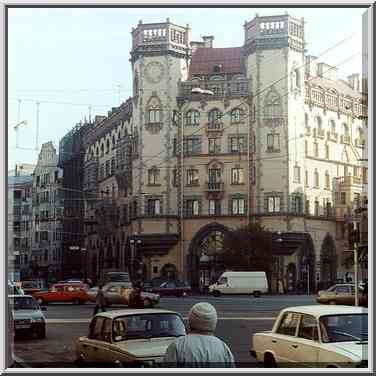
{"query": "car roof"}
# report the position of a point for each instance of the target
(129, 312)
(321, 310)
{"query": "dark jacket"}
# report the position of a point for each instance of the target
(100, 299)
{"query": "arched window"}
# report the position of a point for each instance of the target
(154, 115)
(97, 151)
(107, 146)
(319, 122)
(316, 179)
(327, 180)
(154, 112)
(273, 107)
(113, 141)
(345, 129)
(236, 115)
(192, 117)
(214, 117)
(102, 150)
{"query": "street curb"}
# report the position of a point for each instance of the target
(86, 321)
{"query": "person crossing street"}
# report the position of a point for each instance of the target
(100, 301)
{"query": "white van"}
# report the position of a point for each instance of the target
(254, 283)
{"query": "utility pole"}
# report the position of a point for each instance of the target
(37, 134)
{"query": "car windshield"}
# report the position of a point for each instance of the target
(145, 326)
(23, 303)
(344, 327)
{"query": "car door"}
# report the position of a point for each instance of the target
(89, 346)
(282, 341)
(102, 348)
(113, 294)
(343, 294)
(305, 348)
(56, 294)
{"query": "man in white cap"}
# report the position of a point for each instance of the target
(200, 348)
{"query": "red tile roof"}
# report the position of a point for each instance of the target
(204, 60)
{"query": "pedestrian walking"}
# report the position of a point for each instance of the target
(135, 298)
(200, 348)
(100, 301)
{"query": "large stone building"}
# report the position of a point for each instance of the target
(20, 181)
(47, 216)
(71, 161)
(215, 138)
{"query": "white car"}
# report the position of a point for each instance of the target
(315, 336)
(129, 338)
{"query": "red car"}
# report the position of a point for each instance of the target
(75, 293)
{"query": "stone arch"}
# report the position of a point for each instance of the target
(200, 244)
(168, 271)
(328, 262)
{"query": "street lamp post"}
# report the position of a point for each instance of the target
(134, 244)
(355, 252)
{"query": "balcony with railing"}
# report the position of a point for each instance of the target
(319, 133)
(220, 88)
(345, 139)
(348, 181)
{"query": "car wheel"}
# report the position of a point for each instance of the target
(147, 303)
(256, 294)
(216, 293)
(42, 333)
(41, 301)
(269, 361)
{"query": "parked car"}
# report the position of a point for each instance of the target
(254, 283)
(119, 293)
(166, 288)
(27, 315)
(32, 286)
(343, 293)
(315, 336)
(129, 337)
(63, 292)
(116, 277)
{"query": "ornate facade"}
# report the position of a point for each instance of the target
(215, 138)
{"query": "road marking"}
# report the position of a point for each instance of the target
(83, 321)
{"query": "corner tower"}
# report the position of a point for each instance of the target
(274, 48)
(160, 55)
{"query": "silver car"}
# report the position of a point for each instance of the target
(119, 293)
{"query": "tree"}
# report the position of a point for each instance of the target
(249, 248)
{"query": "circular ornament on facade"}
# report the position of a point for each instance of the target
(154, 72)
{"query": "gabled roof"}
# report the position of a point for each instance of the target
(204, 60)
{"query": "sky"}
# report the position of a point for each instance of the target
(70, 59)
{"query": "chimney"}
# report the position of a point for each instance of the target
(311, 66)
(208, 41)
(99, 118)
(354, 82)
(196, 45)
(327, 71)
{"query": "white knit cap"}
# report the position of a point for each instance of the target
(202, 317)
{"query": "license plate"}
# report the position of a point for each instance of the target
(23, 326)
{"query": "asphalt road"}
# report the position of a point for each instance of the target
(239, 317)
